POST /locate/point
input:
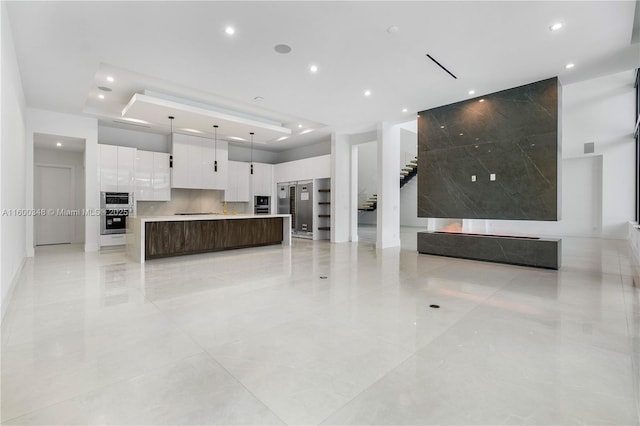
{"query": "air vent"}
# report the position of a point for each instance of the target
(132, 124)
(589, 147)
(441, 66)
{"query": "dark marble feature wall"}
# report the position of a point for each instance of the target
(513, 134)
(538, 252)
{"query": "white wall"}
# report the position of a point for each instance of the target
(133, 139)
(308, 151)
(76, 161)
(55, 123)
(308, 168)
(600, 110)
(12, 161)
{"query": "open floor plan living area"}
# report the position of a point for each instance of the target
(320, 213)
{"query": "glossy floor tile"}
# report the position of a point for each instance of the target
(322, 333)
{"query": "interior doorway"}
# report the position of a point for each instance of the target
(54, 187)
(59, 189)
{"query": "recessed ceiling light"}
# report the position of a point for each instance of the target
(442, 127)
(299, 126)
(404, 110)
(556, 26)
(101, 96)
(58, 144)
(313, 68)
(367, 92)
(393, 29)
(472, 92)
(282, 48)
(461, 134)
(230, 30)
(280, 139)
(569, 66)
(235, 138)
(110, 79)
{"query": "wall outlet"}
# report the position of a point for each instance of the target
(492, 176)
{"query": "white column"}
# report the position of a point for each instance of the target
(340, 188)
(388, 210)
(354, 194)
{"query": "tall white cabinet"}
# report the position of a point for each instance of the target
(152, 176)
(193, 163)
(262, 179)
(238, 188)
(116, 168)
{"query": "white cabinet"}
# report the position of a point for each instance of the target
(262, 179)
(238, 182)
(117, 168)
(193, 163)
(152, 176)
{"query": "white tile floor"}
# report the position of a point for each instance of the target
(256, 336)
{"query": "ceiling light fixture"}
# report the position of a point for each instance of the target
(472, 92)
(280, 139)
(171, 117)
(230, 30)
(110, 79)
(404, 110)
(215, 147)
(135, 120)
(299, 126)
(367, 92)
(101, 96)
(304, 132)
(442, 127)
(313, 68)
(192, 130)
(235, 138)
(251, 152)
(481, 100)
(58, 144)
(556, 26)
(569, 66)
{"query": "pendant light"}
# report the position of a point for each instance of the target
(215, 148)
(251, 152)
(171, 117)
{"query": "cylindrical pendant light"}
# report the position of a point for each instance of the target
(215, 148)
(251, 152)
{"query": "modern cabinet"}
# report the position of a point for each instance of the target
(238, 188)
(262, 179)
(117, 168)
(193, 163)
(152, 176)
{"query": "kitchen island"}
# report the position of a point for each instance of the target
(152, 237)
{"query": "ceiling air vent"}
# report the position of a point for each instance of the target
(441, 66)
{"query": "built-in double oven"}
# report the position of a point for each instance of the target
(115, 207)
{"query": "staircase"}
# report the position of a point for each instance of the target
(408, 172)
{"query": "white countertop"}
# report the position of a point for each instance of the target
(215, 216)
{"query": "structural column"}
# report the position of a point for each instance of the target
(340, 188)
(388, 209)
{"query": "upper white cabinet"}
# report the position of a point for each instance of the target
(262, 179)
(116, 168)
(238, 188)
(152, 176)
(193, 163)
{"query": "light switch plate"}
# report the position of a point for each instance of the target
(473, 178)
(492, 176)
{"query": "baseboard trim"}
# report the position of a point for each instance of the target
(14, 282)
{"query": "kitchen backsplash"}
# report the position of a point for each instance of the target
(190, 201)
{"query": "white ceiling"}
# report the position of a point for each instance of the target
(66, 49)
(45, 141)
